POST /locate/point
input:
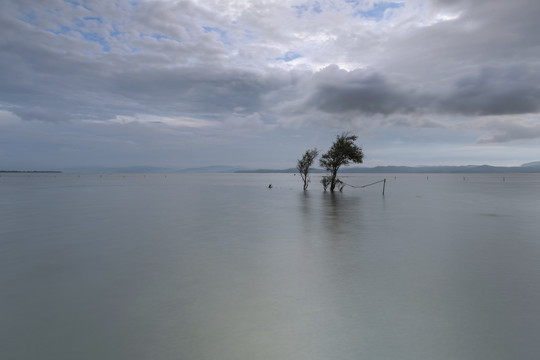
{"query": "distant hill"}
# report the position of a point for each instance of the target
(281, 171)
(533, 167)
(155, 169)
(125, 169)
(213, 169)
(532, 164)
(31, 171)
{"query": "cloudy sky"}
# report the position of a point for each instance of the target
(255, 83)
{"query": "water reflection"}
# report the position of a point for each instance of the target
(333, 216)
(341, 215)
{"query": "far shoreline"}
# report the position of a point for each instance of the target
(30, 171)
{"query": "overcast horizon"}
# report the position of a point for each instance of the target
(183, 84)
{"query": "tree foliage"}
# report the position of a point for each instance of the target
(343, 152)
(305, 163)
(325, 181)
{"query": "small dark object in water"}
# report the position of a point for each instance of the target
(270, 186)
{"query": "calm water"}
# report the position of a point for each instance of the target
(220, 267)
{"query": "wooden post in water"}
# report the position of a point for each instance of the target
(383, 186)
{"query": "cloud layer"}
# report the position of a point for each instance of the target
(222, 69)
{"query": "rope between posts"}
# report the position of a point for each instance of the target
(363, 186)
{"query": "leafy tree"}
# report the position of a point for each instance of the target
(305, 163)
(342, 153)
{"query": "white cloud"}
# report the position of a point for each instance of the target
(504, 130)
(8, 118)
(160, 120)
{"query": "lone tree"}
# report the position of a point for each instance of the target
(343, 152)
(305, 163)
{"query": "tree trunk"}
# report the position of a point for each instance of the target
(333, 180)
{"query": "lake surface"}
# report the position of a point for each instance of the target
(218, 266)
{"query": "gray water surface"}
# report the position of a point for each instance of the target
(218, 266)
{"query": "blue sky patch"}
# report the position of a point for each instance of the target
(304, 8)
(75, 4)
(78, 22)
(223, 37)
(289, 56)
(93, 18)
(62, 29)
(300, 9)
(378, 10)
(317, 8)
(28, 17)
(72, 3)
(115, 31)
(93, 37)
(156, 35)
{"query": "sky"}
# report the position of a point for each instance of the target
(191, 83)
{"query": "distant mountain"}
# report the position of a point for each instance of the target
(155, 169)
(469, 169)
(31, 171)
(532, 164)
(531, 167)
(125, 169)
(213, 169)
(281, 171)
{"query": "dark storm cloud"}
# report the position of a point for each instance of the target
(199, 89)
(494, 90)
(339, 91)
(491, 90)
(39, 114)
